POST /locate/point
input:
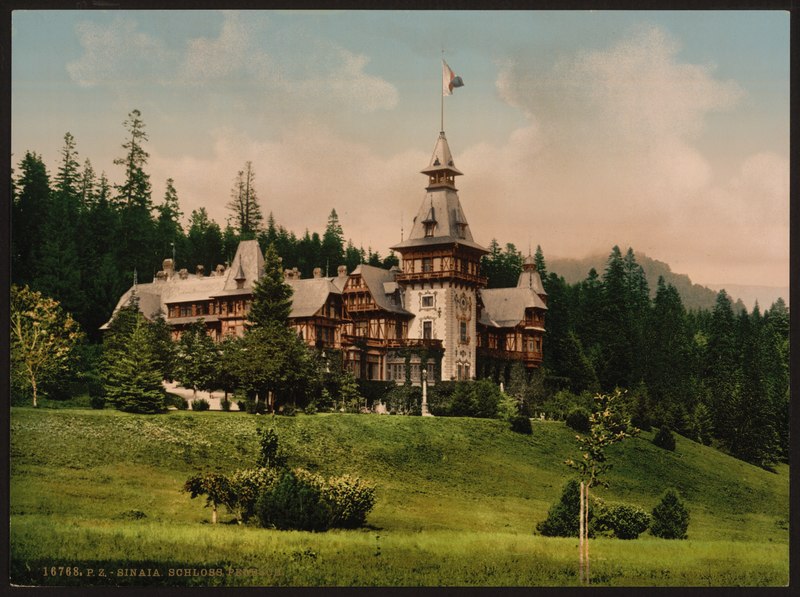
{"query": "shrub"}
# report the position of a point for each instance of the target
(295, 501)
(200, 404)
(310, 409)
(626, 522)
(242, 405)
(245, 488)
(578, 419)
(508, 407)
(350, 500)
(270, 455)
(562, 518)
(288, 410)
(225, 404)
(97, 402)
(521, 424)
(664, 439)
(670, 517)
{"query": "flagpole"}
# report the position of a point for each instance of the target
(442, 93)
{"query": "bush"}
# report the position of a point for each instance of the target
(288, 410)
(350, 500)
(521, 424)
(200, 404)
(670, 517)
(562, 518)
(225, 404)
(664, 439)
(578, 419)
(305, 501)
(310, 409)
(296, 501)
(182, 403)
(245, 487)
(97, 402)
(626, 522)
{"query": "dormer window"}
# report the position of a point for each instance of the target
(429, 228)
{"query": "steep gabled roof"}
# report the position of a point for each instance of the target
(505, 307)
(378, 281)
(248, 262)
(310, 295)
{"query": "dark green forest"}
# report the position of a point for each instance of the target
(719, 376)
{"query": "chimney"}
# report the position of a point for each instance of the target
(317, 272)
(296, 273)
(183, 273)
(287, 274)
(169, 268)
(200, 270)
(161, 276)
(220, 269)
(341, 271)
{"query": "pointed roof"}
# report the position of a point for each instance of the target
(248, 263)
(442, 157)
(442, 207)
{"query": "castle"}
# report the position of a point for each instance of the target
(433, 313)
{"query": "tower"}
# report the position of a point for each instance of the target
(441, 269)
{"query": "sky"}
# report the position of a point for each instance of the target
(667, 132)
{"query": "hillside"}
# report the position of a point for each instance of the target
(694, 296)
(413, 461)
(458, 502)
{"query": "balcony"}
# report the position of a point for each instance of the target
(442, 275)
(414, 343)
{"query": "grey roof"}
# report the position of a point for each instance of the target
(505, 307)
(376, 279)
(442, 157)
(248, 261)
(155, 295)
(309, 295)
(530, 278)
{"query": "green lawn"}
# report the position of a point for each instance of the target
(458, 503)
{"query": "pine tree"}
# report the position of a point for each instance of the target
(136, 238)
(272, 296)
(722, 376)
(244, 203)
(169, 233)
(332, 249)
(541, 266)
(135, 191)
(668, 371)
(31, 205)
(133, 381)
(58, 265)
(195, 358)
(203, 241)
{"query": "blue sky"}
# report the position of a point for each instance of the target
(576, 130)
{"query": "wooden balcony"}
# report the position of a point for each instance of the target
(450, 274)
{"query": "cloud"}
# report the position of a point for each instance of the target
(613, 155)
(300, 177)
(118, 55)
(236, 61)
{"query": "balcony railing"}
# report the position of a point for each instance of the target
(442, 275)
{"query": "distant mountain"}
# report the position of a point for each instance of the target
(694, 296)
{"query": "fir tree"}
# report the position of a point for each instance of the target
(133, 382)
(195, 358)
(29, 213)
(272, 296)
(244, 203)
(332, 246)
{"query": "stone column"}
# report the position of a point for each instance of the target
(425, 411)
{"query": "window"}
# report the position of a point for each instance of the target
(429, 227)
(463, 326)
(427, 264)
(427, 301)
(538, 344)
(460, 372)
(427, 330)
(186, 310)
(466, 371)
(360, 328)
(398, 329)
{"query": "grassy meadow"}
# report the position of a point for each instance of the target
(458, 501)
